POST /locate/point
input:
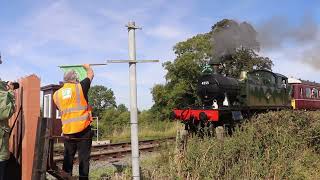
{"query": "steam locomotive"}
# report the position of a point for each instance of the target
(227, 101)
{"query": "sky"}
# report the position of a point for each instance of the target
(36, 36)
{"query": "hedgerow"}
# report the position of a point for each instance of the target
(274, 145)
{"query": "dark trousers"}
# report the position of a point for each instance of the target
(3, 170)
(83, 146)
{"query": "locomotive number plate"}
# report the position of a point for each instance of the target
(205, 82)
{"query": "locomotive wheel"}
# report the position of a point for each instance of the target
(191, 127)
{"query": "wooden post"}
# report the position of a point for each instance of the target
(41, 150)
(220, 132)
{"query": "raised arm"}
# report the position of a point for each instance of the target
(89, 70)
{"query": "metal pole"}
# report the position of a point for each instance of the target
(133, 102)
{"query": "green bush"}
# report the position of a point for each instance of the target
(115, 125)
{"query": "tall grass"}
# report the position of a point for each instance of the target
(275, 145)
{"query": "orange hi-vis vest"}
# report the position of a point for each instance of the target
(74, 109)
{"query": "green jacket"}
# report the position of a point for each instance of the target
(4, 140)
(7, 108)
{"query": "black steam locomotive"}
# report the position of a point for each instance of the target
(226, 101)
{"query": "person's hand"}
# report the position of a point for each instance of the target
(90, 73)
(86, 66)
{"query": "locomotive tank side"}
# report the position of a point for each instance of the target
(266, 90)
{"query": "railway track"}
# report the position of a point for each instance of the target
(116, 151)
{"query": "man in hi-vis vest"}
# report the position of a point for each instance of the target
(72, 101)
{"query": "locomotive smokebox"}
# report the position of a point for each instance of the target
(215, 86)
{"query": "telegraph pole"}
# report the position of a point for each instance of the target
(133, 98)
(133, 102)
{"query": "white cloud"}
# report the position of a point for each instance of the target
(289, 61)
(59, 22)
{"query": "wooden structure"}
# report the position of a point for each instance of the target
(23, 137)
(50, 110)
(48, 133)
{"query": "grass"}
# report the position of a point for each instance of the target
(110, 172)
(146, 162)
(161, 130)
(275, 145)
(146, 132)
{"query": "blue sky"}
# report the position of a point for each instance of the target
(38, 35)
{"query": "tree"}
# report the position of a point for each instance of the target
(113, 119)
(101, 98)
(122, 108)
(237, 53)
(182, 75)
(245, 60)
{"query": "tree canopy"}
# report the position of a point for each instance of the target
(182, 75)
(101, 98)
(233, 44)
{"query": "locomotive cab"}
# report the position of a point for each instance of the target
(266, 90)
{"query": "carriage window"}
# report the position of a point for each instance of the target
(315, 93)
(301, 92)
(308, 92)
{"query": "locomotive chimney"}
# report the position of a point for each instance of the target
(215, 65)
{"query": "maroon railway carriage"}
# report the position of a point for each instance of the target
(305, 94)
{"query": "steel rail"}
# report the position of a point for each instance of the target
(117, 150)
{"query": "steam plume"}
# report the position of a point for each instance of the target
(277, 33)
